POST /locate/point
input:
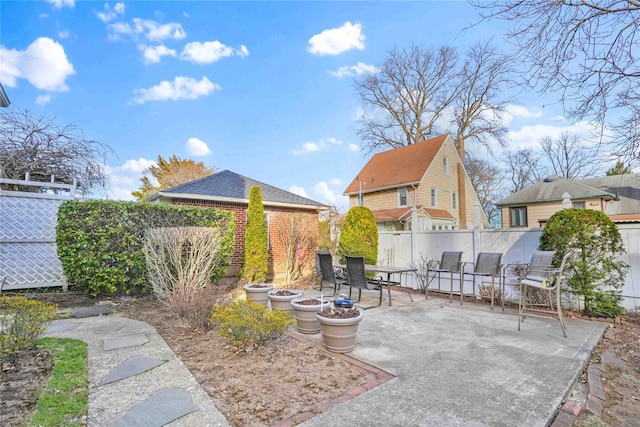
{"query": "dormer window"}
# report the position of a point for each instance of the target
(402, 197)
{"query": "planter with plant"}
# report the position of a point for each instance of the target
(281, 299)
(339, 328)
(305, 309)
(257, 292)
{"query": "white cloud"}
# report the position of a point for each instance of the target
(515, 111)
(179, 88)
(355, 70)
(43, 99)
(110, 14)
(310, 146)
(59, 4)
(354, 147)
(529, 136)
(298, 190)
(208, 52)
(335, 181)
(44, 64)
(63, 34)
(337, 40)
(125, 178)
(197, 147)
(152, 30)
(154, 54)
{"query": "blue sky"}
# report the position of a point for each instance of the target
(263, 89)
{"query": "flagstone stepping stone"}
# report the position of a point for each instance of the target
(61, 327)
(122, 342)
(134, 366)
(94, 310)
(162, 407)
(108, 329)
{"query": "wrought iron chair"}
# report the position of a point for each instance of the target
(488, 264)
(326, 272)
(449, 263)
(358, 278)
(542, 279)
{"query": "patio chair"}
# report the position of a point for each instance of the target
(538, 265)
(326, 272)
(545, 279)
(488, 264)
(449, 263)
(358, 278)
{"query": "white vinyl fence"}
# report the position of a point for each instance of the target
(401, 248)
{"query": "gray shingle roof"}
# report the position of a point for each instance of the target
(552, 189)
(626, 188)
(230, 185)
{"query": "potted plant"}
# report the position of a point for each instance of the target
(305, 309)
(339, 328)
(257, 292)
(281, 299)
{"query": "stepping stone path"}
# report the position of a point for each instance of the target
(109, 341)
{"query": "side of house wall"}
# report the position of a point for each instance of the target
(542, 211)
(445, 183)
(517, 245)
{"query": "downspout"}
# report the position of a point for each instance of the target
(414, 223)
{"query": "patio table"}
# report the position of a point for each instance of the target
(389, 271)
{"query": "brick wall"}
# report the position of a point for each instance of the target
(276, 249)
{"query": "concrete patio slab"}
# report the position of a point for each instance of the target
(464, 366)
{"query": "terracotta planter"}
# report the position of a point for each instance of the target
(282, 302)
(305, 314)
(258, 292)
(339, 334)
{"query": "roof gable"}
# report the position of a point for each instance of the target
(230, 186)
(397, 167)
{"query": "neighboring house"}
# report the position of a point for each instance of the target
(618, 196)
(229, 191)
(428, 176)
(4, 99)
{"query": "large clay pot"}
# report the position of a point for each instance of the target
(282, 302)
(339, 334)
(258, 292)
(305, 314)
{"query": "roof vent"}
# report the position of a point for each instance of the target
(551, 178)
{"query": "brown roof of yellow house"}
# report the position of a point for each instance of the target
(400, 166)
(438, 213)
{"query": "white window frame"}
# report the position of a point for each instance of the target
(434, 197)
(445, 164)
(454, 200)
(360, 199)
(406, 197)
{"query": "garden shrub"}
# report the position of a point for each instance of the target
(246, 324)
(359, 235)
(594, 272)
(22, 323)
(256, 250)
(100, 243)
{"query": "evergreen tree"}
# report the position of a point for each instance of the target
(256, 251)
(359, 235)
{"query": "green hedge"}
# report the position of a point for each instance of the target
(100, 243)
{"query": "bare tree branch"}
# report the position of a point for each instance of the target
(569, 157)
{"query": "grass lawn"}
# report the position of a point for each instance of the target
(63, 401)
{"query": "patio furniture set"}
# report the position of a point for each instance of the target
(538, 283)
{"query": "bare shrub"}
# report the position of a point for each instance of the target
(180, 262)
(295, 232)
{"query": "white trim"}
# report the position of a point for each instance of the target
(190, 196)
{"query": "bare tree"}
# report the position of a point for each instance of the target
(586, 51)
(487, 181)
(479, 106)
(524, 167)
(403, 101)
(569, 157)
(37, 145)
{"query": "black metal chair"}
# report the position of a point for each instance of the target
(326, 272)
(488, 264)
(449, 263)
(545, 279)
(358, 278)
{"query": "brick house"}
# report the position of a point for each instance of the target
(428, 176)
(618, 196)
(230, 191)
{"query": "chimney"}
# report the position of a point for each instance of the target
(462, 195)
